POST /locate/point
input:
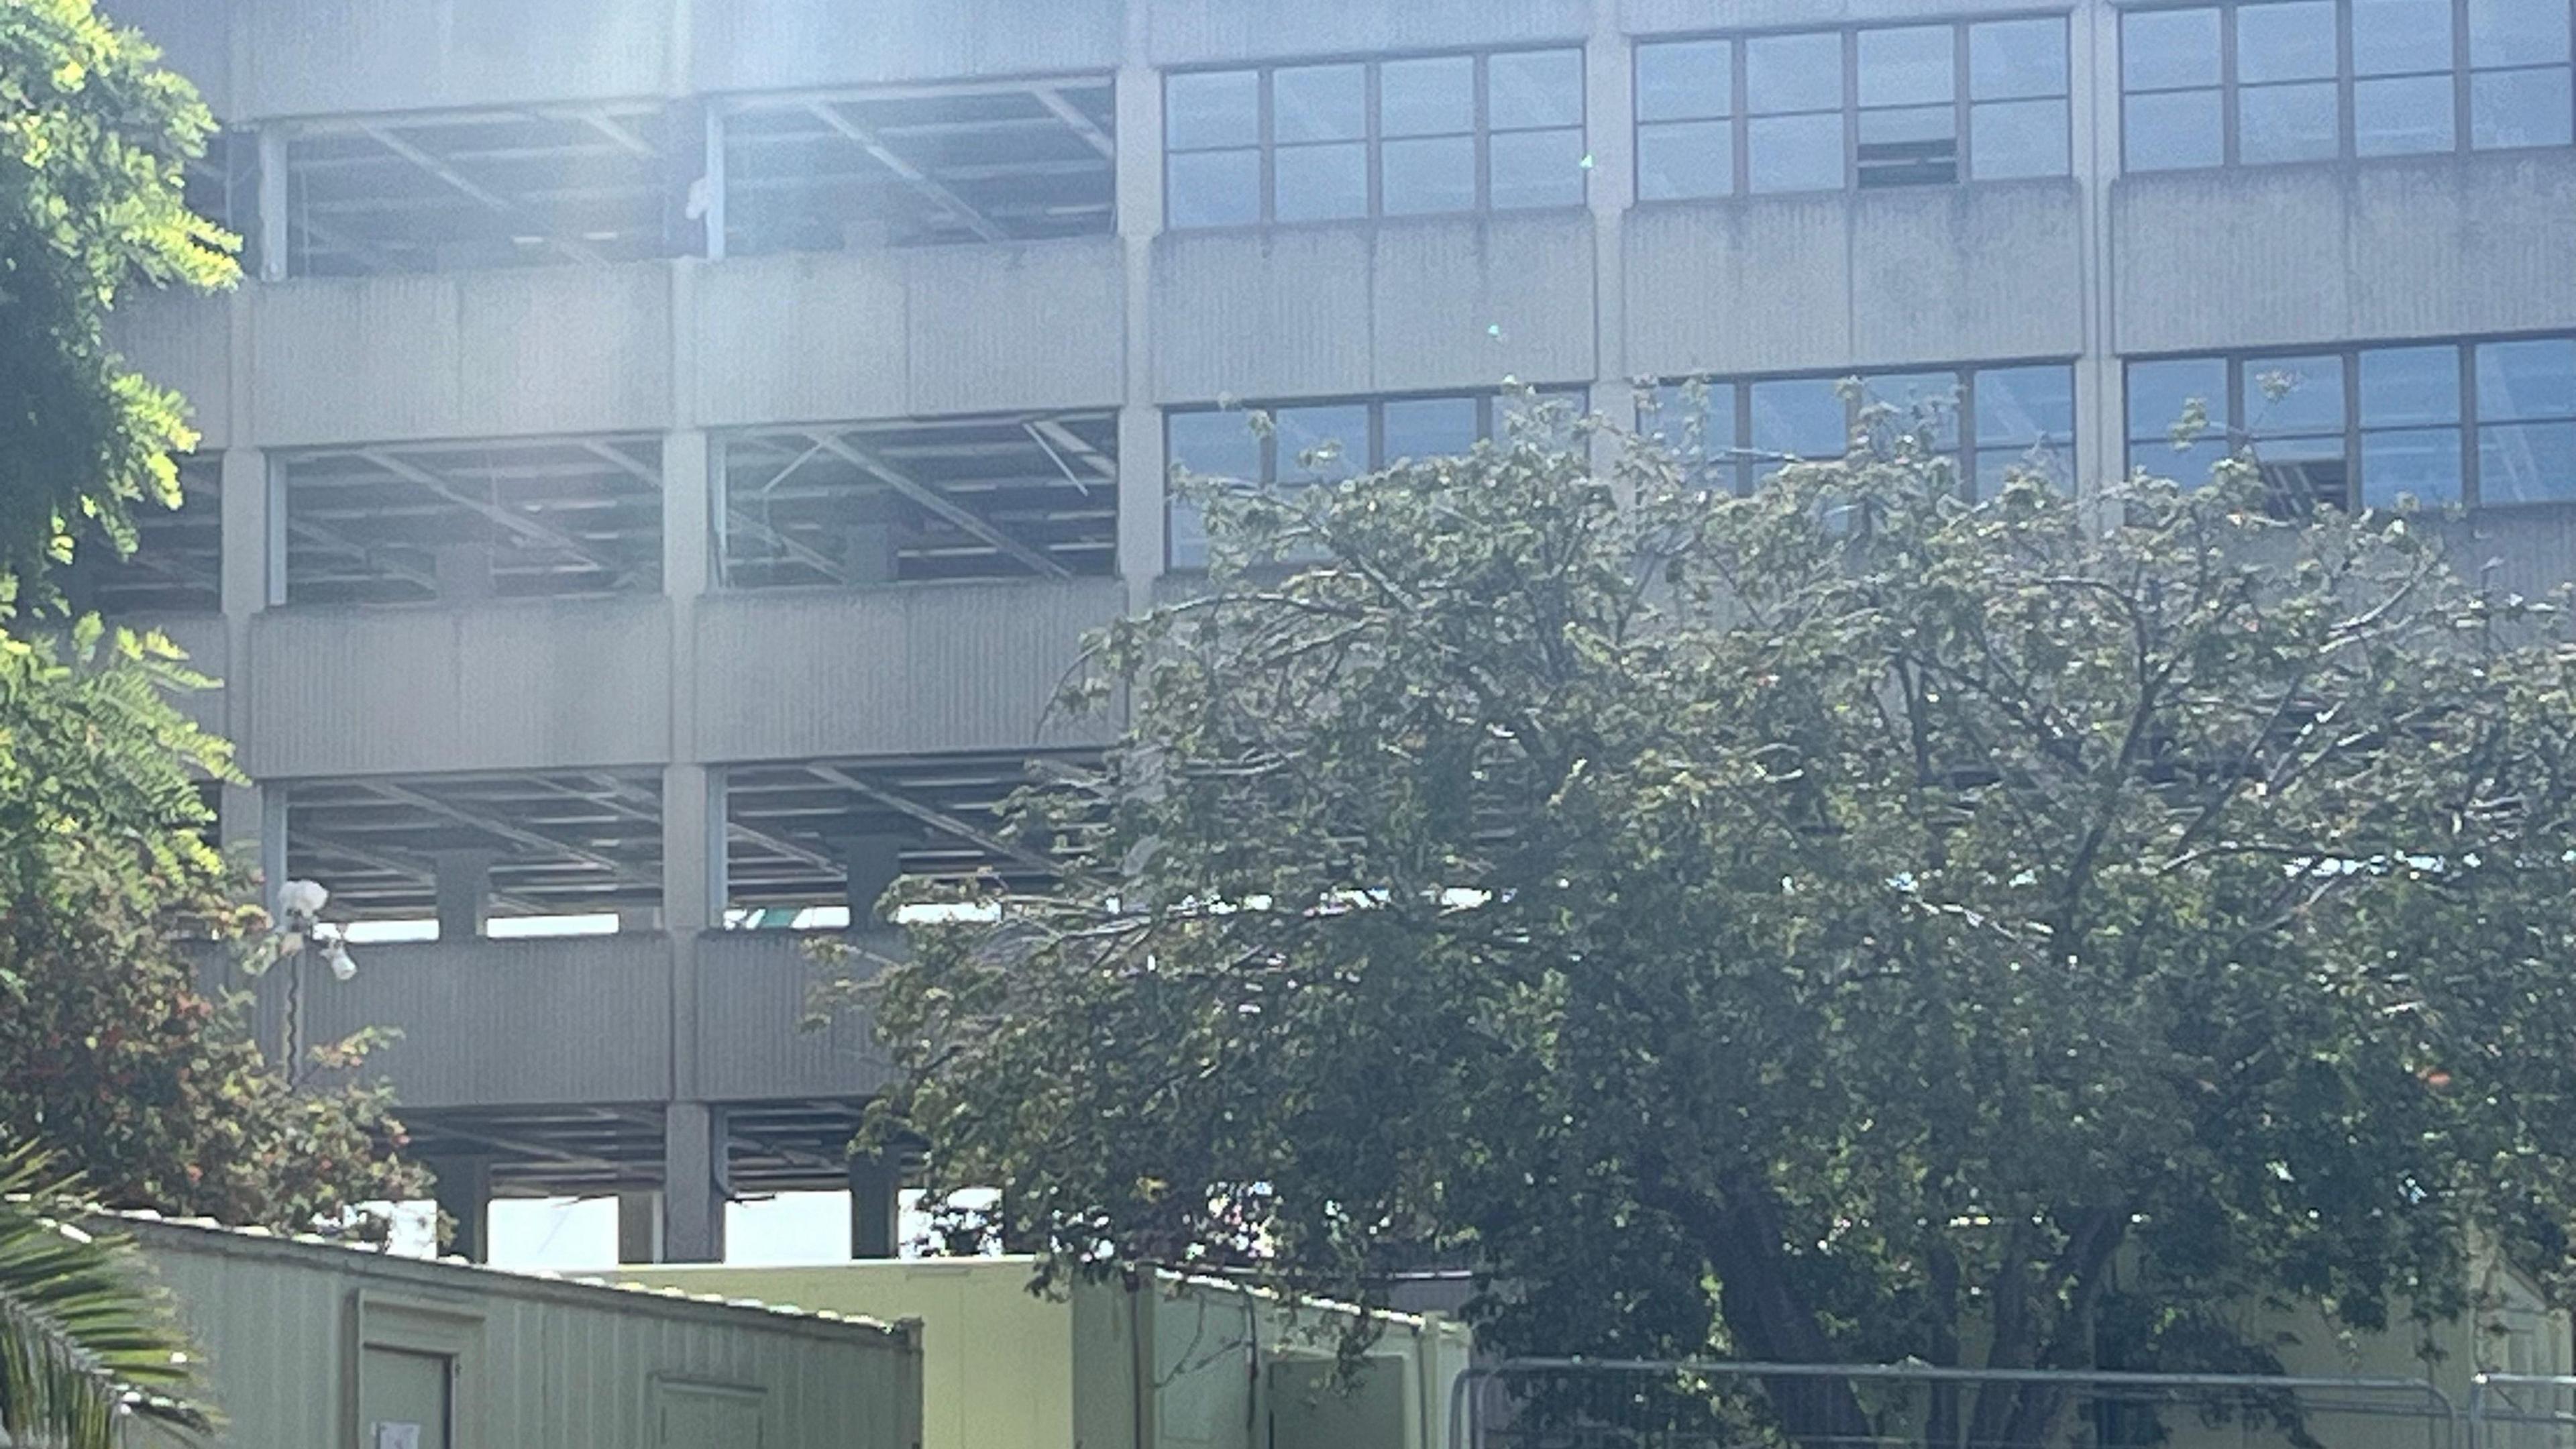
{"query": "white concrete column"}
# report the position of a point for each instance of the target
(693, 1183)
(876, 1207)
(2101, 396)
(1141, 467)
(639, 1227)
(464, 885)
(463, 1186)
(1610, 136)
(272, 203)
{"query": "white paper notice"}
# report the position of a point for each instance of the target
(397, 1436)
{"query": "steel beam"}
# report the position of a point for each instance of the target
(934, 817)
(940, 503)
(490, 199)
(913, 176)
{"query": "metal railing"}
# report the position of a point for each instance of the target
(2521, 1411)
(1573, 1403)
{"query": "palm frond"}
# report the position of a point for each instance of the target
(85, 1343)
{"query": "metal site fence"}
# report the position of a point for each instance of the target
(1612, 1404)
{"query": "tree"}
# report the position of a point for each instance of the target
(94, 136)
(82, 1347)
(1833, 925)
(113, 1056)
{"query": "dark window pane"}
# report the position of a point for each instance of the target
(2012, 59)
(2421, 462)
(1793, 72)
(2402, 117)
(1710, 429)
(1216, 445)
(1918, 146)
(1795, 153)
(1915, 65)
(1437, 174)
(2519, 108)
(1685, 80)
(2168, 49)
(2172, 131)
(2159, 458)
(1319, 103)
(2527, 463)
(2283, 42)
(1211, 108)
(1430, 427)
(2290, 395)
(2534, 379)
(2160, 391)
(2400, 37)
(2401, 386)
(1804, 417)
(1214, 188)
(1325, 442)
(1537, 168)
(1321, 183)
(1427, 97)
(2286, 123)
(1686, 158)
(2517, 32)
(1185, 543)
(1924, 403)
(2017, 138)
(1531, 88)
(1515, 418)
(2025, 405)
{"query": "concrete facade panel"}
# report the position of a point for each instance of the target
(182, 340)
(328, 57)
(1468, 303)
(811, 337)
(195, 39)
(754, 990)
(915, 669)
(2283, 255)
(1743, 286)
(495, 1023)
(369, 360)
(994, 327)
(1196, 32)
(1651, 17)
(564, 349)
(1261, 314)
(1953, 274)
(757, 47)
(517, 685)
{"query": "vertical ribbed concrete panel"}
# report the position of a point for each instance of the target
(181, 340)
(324, 57)
(746, 47)
(914, 669)
(1005, 327)
(2269, 255)
(755, 989)
(811, 337)
(562, 1365)
(522, 684)
(474, 354)
(1191, 32)
(498, 1023)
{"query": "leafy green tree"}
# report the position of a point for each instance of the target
(94, 135)
(1835, 925)
(120, 1052)
(82, 1349)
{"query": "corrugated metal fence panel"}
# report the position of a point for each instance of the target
(558, 1366)
(755, 989)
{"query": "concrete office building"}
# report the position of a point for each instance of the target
(668, 451)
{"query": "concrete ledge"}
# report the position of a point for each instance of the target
(529, 684)
(754, 990)
(2398, 247)
(907, 669)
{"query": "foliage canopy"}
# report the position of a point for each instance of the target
(1837, 925)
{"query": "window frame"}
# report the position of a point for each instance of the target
(2470, 424)
(1489, 417)
(1373, 136)
(1749, 470)
(1963, 102)
(2462, 71)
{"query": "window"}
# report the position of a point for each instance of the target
(1908, 105)
(1405, 137)
(2267, 81)
(1993, 418)
(1322, 442)
(2484, 423)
